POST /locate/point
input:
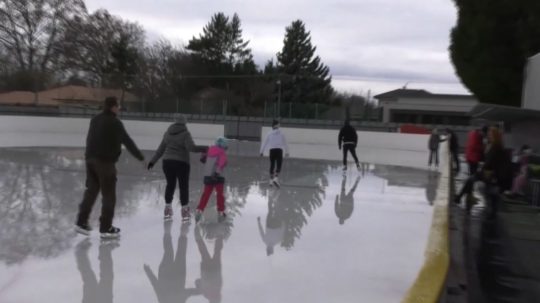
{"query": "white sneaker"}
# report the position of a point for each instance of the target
(276, 181)
(168, 212)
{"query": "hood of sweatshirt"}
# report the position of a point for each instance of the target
(176, 129)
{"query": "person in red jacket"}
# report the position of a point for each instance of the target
(474, 150)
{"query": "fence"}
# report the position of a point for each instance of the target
(238, 127)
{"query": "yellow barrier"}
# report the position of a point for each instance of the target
(429, 284)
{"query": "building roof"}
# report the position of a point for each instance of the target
(418, 93)
(503, 113)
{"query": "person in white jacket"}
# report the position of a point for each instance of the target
(276, 143)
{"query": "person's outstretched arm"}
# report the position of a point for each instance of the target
(264, 143)
(285, 145)
(159, 152)
(191, 146)
(261, 230)
(151, 277)
(336, 206)
(340, 138)
(128, 142)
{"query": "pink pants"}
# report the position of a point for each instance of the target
(206, 196)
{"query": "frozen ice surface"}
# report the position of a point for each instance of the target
(322, 237)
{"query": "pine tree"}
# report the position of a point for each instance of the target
(490, 45)
(222, 47)
(306, 78)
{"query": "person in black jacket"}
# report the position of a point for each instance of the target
(454, 148)
(348, 138)
(103, 148)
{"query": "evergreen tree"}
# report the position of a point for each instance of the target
(306, 78)
(222, 47)
(490, 45)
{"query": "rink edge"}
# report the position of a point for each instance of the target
(430, 282)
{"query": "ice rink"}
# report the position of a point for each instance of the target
(322, 237)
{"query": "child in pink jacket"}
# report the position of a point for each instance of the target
(216, 160)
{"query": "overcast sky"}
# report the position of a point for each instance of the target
(375, 45)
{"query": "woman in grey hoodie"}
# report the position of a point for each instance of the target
(175, 147)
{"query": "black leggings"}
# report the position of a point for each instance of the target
(276, 159)
(456, 165)
(176, 171)
(473, 168)
(434, 153)
(352, 149)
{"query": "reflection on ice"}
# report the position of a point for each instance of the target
(319, 214)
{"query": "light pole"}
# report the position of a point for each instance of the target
(278, 82)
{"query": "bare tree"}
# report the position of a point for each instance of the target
(31, 30)
(89, 43)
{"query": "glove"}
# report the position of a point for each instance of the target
(150, 165)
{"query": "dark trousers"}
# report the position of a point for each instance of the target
(276, 159)
(434, 154)
(455, 159)
(468, 186)
(473, 168)
(99, 176)
(176, 171)
(349, 148)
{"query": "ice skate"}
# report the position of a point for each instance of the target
(276, 183)
(222, 216)
(83, 229)
(111, 233)
(168, 212)
(186, 216)
(198, 215)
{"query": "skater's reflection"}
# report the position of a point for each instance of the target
(344, 204)
(170, 284)
(275, 227)
(211, 281)
(431, 187)
(364, 167)
(94, 291)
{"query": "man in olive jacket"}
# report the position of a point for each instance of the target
(103, 148)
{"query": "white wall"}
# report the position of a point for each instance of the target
(531, 90)
(71, 132)
(374, 147)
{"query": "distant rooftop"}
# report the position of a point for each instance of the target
(417, 93)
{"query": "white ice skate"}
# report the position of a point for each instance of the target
(275, 181)
(168, 212)
(186, 216)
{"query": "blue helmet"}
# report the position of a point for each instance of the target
(222, 142)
